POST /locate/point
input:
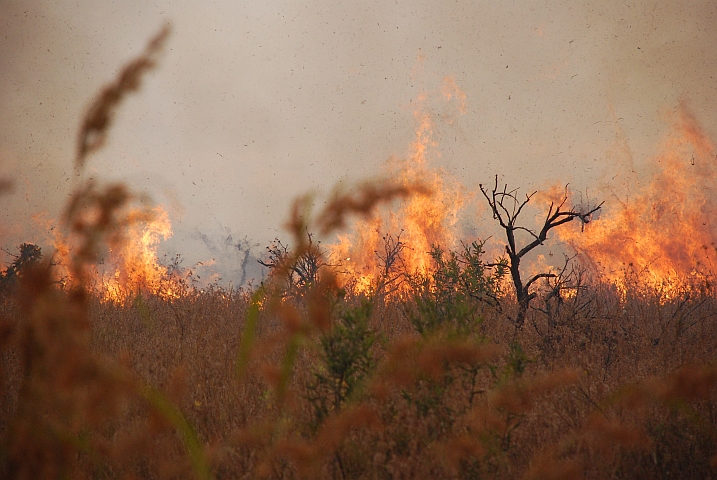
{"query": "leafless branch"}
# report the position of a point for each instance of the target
(506, 207)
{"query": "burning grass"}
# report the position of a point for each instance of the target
(663, 232)
(615, 388)
(330, 383)
(415, 226)
(313, 379)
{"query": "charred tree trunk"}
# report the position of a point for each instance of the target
(520, 291)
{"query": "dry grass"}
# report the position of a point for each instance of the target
(600, 398)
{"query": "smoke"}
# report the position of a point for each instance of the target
(256, 103)
(233, 261)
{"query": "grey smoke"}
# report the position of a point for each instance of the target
(256, 102)
(235, 258)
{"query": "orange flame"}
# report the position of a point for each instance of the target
(665, 233)
(419, 223)
(132, 267)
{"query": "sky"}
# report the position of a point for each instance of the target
(256, 102)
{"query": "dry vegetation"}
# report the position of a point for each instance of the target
(605, 388)
(312, 380)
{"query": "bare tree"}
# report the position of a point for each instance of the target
(506, 207)
(564, 290)
(301, 271)
(391, 264)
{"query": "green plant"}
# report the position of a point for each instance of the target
(450, 294)
(345, 359)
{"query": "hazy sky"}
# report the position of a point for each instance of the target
(256, 102)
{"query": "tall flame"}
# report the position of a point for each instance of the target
(665, 232)
(420, 221)
(132, 267)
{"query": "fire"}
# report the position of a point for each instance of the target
(132, 267)
(364, 254)
(664, 233)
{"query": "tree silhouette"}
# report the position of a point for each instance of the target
(29, 256)
(299, 271)
(506, 208)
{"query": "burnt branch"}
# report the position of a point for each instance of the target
(299, 269)
(391, 264)
(538, 277)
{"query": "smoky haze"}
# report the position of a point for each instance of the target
(253, 104)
